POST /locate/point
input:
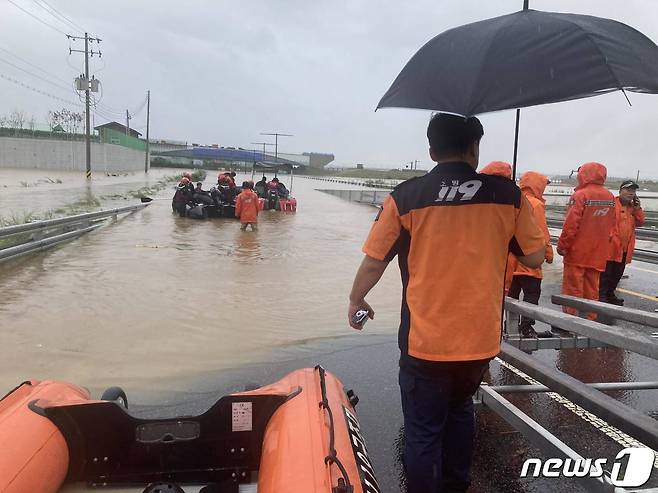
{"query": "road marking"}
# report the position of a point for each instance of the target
(607, 429)
(643, 270)
(639, 295)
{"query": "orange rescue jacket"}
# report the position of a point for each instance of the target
(586, 234)
(633, 217)
(501, 168)
(533, 184)
(498, 168)
(246, 206)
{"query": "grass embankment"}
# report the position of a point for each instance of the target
(91, 202)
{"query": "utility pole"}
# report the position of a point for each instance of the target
(128, 117)
(276, 142)
(87, 129)
(264, 144)
(148, 114)
(86, 85)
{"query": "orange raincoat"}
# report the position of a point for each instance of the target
(585, 241)
(585, 238)
(628, 218)
(498, 168)
(501, 168)
(246, 206)
(533, 185)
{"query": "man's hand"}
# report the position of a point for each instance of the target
(561, 252)
(353, 308)
(370, 271)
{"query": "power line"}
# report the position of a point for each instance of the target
(58, 15)
(31, 88)
(33, 65)
(107, 108)
(139, 108)
(107, 117)
(34, 75)
(37, 18)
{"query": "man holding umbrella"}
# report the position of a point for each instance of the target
(452, 259)
(451, 230)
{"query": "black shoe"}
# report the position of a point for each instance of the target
(560, 332)
(616, 301)
(526, 330)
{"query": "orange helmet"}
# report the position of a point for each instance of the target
(184, 181)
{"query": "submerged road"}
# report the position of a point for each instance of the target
(182, 312)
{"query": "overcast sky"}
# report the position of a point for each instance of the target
(224, 71)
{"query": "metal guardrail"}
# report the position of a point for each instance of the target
(623, 337)
(639, 254)
(370, 197)
(41, 235)
(538, 435)
(640, 426)
(49, 223)
(586, 333)
(649, 234)
(361, 182)
(610, 312)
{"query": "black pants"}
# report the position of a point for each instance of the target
(610, 278)
(439, 426)
(531, 287)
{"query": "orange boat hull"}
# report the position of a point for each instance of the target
(310, 441)
(34, 455)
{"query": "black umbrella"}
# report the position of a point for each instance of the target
(525, 59)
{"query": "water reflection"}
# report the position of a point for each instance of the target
(247, 246)
(598, 365)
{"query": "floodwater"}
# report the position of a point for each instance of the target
(156, 296)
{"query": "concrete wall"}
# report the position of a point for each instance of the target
(67, 155)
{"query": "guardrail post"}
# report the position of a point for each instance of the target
(512, 323)
(606, 319)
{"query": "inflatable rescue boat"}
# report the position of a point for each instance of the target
(300, 434)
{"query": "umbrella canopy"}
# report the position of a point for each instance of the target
(525, 59)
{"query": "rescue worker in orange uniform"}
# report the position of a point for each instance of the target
(182, 197)
(586, 235)
(527, 279)
(190, 185)
(451, 230)
(501, 168)
(629, 215)
(246, 206)
(498, 168)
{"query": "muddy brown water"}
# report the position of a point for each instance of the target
(156, 296)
